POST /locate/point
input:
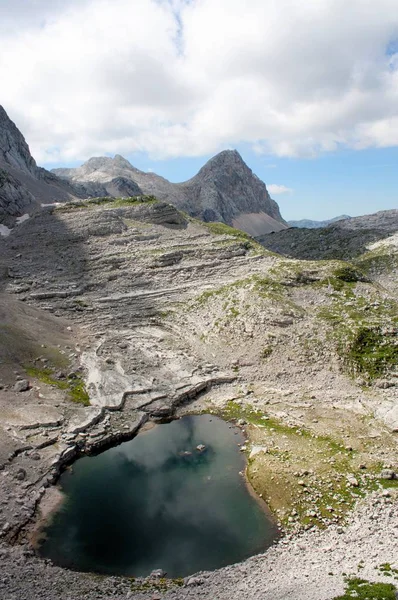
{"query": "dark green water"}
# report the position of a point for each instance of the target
(158, 502)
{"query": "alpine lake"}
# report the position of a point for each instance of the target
(173, 498)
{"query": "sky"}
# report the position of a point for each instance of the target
(307, 92)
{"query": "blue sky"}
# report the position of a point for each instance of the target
(306, 91)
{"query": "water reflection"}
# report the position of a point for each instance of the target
(159, 502)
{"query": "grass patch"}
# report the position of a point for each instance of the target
(223, 229)
(162, 584)
(74, 385)
(365, 590)
(303, 476)
(365, 331)
(106, 201)
(371, 353)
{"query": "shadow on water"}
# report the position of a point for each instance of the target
(159, 502)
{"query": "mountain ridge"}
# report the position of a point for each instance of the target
(225, 189)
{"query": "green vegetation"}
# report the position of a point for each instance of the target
(107, 201)
(266, 352)
(298, 496)
(365, 590)
(388, 570)
(74, 384)
(162, 584)
(364, 328)
(223, 229)
(382, 259)
(348, 274)
(371, 352)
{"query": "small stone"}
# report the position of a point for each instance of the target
(21, 386)
(193, 581)
(35, 456)
(353, 482)
(201, 447)
(387, 474)
(20, 474)
(158, 573)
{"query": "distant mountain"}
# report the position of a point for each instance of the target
(308, 224)
(225, 190)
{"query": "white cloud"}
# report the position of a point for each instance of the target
(190, 77)
(275, 189)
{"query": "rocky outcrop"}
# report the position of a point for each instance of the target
(225, 190)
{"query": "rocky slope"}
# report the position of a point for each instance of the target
(345, 239)
(159, 314)
(224, 190)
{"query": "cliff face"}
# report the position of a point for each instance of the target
(225, 190)
(15, 198)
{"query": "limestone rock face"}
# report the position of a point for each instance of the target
(225, 190)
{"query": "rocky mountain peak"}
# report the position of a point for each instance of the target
(226, 189)
(226, 158)
(122, 162)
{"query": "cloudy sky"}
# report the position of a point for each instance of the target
(306, 91)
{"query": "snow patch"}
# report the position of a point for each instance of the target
(5, 231)
(23, 218)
